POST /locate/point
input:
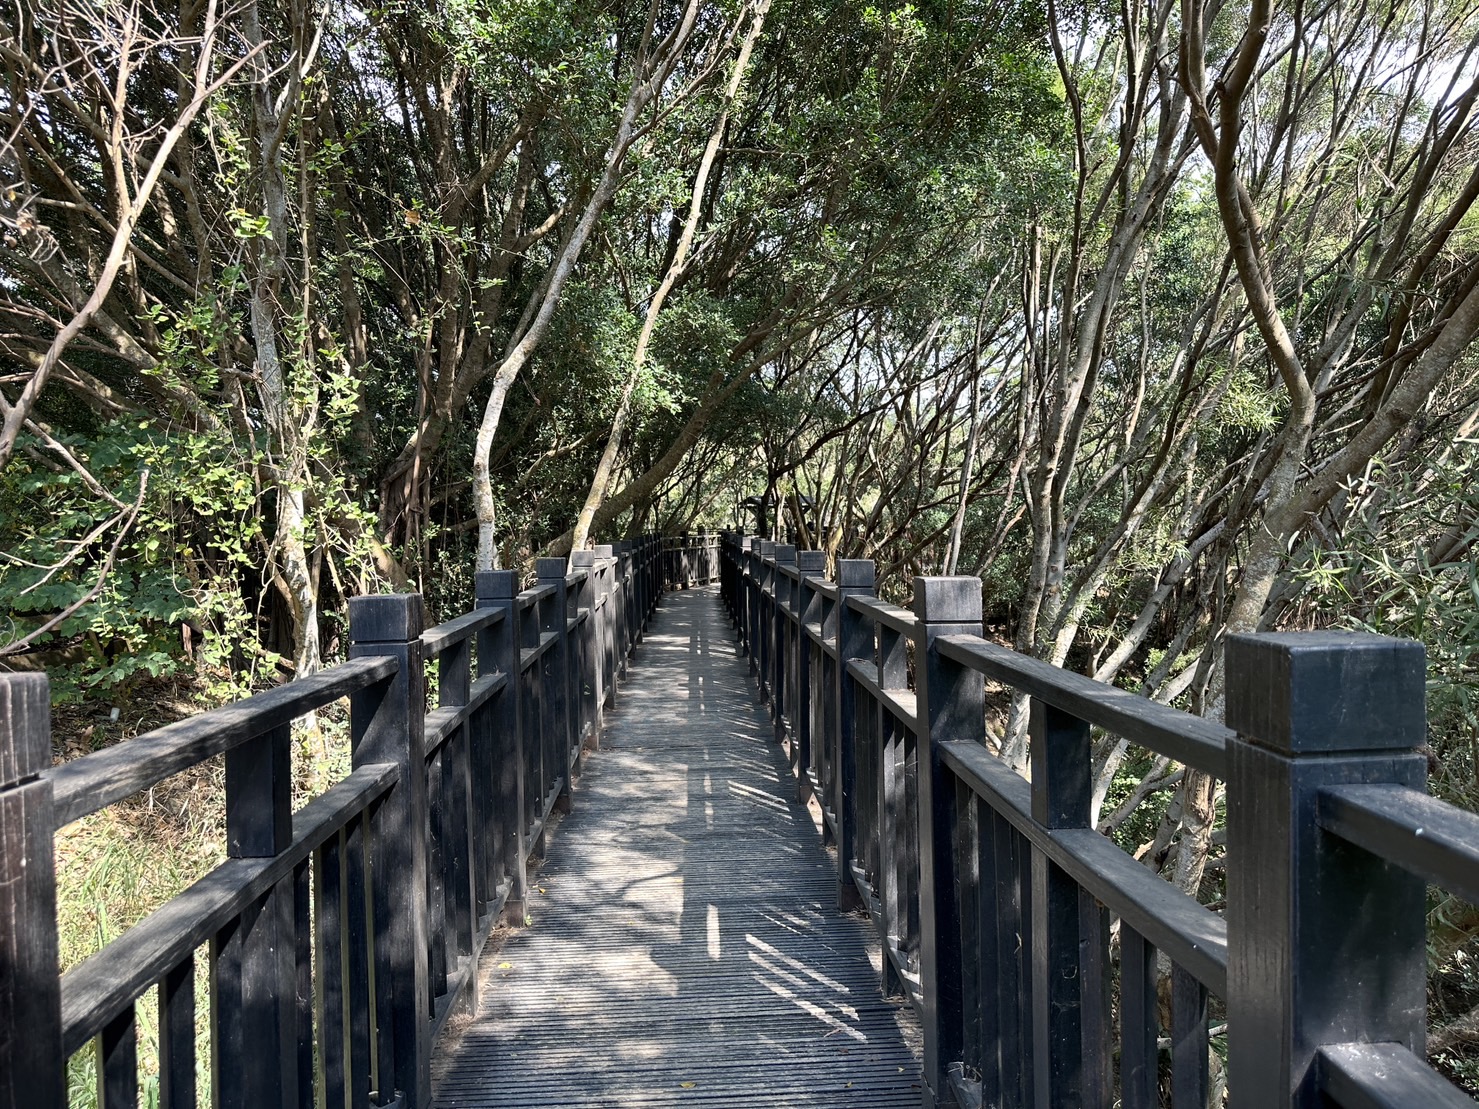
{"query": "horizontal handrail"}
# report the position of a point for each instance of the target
(94, 781)
(442, 722)
(1406, 826)
(533, 596)
(436, 640)
(1384, 1076)
(901, 703)
(1190, 739)
(898, 619)
(530, 655)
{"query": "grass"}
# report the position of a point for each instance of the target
(118, 865)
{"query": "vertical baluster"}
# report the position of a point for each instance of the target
(589, 682)
(766, 569)
(893, 674)
(854, 640)
(605, 562)
(302, 1028)
(31, 1061)
(1139, 1025)
(1188, 1041)
(968, 883)
(1094, 971)
(556, 676)
(437, 833)
(177, 1037)
(498, 652)
(118, 1062)
(1061, 782)
(811, 565)
(1313, 923)
(387, 725)
(369, 1048)
(825, 751)
(909, 848)
(991, 918)
(754, 614)
(1022, 1011)
(951, 703)
(531, 722)
(329, 918)
(782, 589)
(454, 687)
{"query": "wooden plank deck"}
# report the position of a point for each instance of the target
(686, 948)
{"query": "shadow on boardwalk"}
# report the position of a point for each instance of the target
(686, 949)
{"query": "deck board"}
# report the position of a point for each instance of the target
(686, 947)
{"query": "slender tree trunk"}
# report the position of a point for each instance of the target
(650, 71)
(676, 266)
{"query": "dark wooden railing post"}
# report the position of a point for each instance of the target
(1062, 784)
(812, 566)
(755, 609)
(559, 702)
(498, 652)
(31, 1062)
(855, 577)
(625, 590)
(951, 706)
(767, 617)
(1326, 942)
(589, 680)
(780, 634)
(749, 586)
(387, 726)
(606, 627)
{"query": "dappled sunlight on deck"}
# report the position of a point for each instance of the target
(686, 947)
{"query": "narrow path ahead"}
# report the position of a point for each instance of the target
(686, 948)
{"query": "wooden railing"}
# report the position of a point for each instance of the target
(1025, 939)
(339, 937)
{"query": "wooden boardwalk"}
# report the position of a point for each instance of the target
(686, 948)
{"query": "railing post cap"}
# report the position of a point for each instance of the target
(582, 560)
(785, 552)
(549, 568)
(856, 573)
(767, 548)
(755, 544)
(811, 562)
(604, 550)
(495, 585)
(386, 618)
(1326, 692)
(25, 727)
(952, 600)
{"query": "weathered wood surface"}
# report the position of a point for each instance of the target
(686, 948)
